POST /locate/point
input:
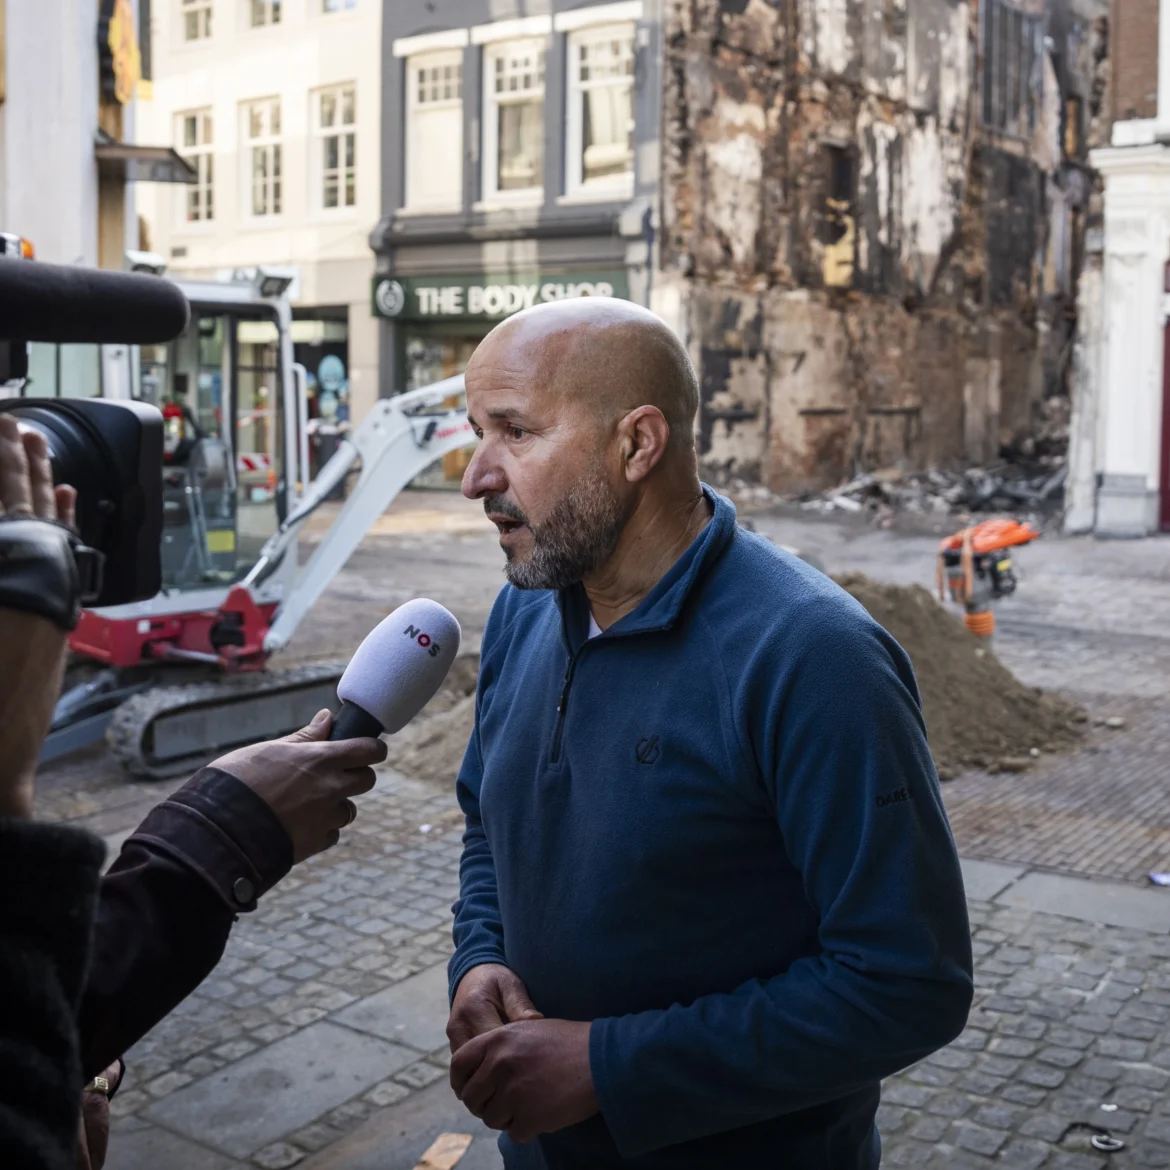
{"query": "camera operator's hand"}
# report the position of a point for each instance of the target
(32, 648)
(307, 781)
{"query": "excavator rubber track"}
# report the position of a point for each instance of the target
(175, 730)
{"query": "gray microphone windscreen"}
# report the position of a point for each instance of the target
(402, 663)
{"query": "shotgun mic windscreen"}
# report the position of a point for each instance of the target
(396, 670)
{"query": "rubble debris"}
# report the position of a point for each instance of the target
(1008, 487)
(1029, 478)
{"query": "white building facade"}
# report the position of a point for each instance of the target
(276, 105)
(1119, 450)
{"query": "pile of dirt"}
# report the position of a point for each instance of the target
(978, 714)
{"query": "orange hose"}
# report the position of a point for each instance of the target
(981, 623)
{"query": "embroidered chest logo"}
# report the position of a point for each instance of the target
(898, 796)
(648, 750)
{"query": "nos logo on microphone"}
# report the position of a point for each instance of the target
(424, 640)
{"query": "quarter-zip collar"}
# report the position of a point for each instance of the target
(661, 607)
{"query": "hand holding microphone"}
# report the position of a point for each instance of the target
(309, 778)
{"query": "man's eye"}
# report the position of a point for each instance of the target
(516, 432)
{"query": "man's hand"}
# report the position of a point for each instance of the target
(528, 1078)
(32, 648)
(488, 997)
(307, 781)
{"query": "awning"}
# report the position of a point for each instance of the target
(142, 164)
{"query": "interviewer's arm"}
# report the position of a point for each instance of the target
(200, 858)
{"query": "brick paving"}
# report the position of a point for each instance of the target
(1103, 811)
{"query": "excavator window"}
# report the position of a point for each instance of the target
(219, 388)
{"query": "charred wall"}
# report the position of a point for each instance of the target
(874, 276)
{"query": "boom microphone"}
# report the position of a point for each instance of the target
(67, 304)
(396, 670)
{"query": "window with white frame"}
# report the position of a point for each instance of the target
(337, 5)
(514, 119)
(262, 163)
(264, 12)
(600, 132)
(434, 131)
(335, 128)
(196, 146)
(196, 19)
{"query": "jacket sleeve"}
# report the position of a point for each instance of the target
(478, 930)
(46, 916)
(168, 903)
(842, 753)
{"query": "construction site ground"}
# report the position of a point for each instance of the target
(319, 1040)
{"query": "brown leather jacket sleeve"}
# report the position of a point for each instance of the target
(168, 903)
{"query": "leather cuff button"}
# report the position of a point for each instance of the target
(243, 890)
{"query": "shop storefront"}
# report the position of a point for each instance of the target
(439, 320)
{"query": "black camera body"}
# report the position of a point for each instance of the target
(112, 454)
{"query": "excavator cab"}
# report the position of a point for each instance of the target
(221, 389)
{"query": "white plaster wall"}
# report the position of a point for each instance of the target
(308, 50)
(47, 169)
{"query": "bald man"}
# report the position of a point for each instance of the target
(709, 897)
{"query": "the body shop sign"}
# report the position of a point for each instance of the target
(488, 297)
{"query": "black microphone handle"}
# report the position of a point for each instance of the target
(354, 722)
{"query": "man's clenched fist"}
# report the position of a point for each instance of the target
(528, 1078)
(488, 997)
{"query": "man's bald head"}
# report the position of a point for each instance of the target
(608, 354)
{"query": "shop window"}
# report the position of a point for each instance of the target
(600, 131)
(196, 146)
(1012, 71)
(264, 12)
(434, 131)
(196, 19)
(262, 162)
(514, 121)
(335, 128)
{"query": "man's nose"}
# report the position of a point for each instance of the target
(484, 476)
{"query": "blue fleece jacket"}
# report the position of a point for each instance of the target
(716, 832)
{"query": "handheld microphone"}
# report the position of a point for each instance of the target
(64, 304)
(396, 670)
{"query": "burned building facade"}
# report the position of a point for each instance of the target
(871, 225)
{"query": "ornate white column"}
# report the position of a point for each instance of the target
(1137, 244)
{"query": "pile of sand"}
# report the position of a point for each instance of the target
(978, 714)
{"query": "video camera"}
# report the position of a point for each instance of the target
(111, 452)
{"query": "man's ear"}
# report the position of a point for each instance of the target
(645, 434)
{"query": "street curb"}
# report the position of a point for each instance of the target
(1101, 902)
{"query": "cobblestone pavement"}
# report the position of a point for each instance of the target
(1070, 1034)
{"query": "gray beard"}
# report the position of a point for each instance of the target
(578, 536)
